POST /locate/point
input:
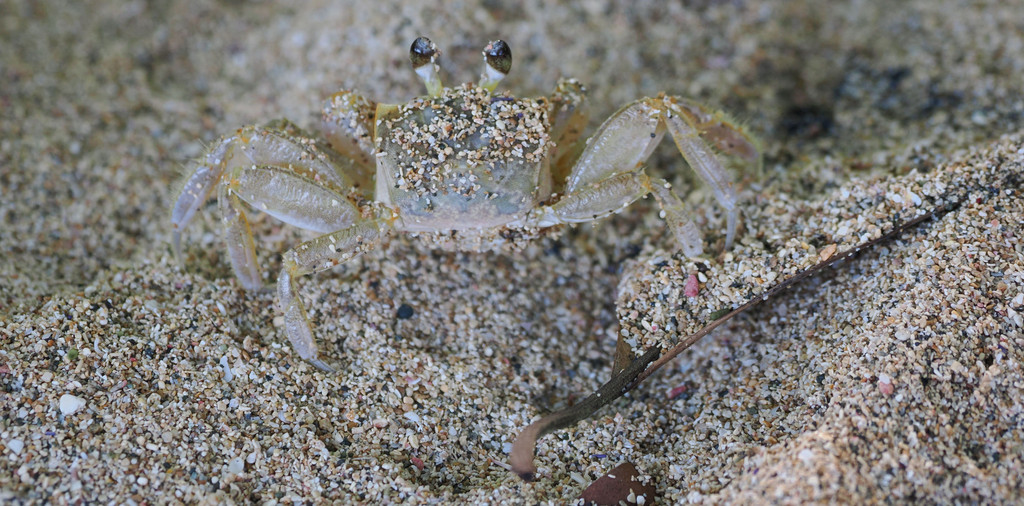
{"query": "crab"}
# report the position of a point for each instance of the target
(466, 165)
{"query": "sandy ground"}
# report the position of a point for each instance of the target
(895, 376)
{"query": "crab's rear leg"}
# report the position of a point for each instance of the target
(717, 129)
(314, 256)
(238, 238)
(196, 189)
(347, 123)
(607, 176)
(600, 199)
(695, 130)
(568, 116)
(295, 197)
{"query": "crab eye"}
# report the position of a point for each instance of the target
(498, 56)
(422, 52)
(423, 55)
(498, 61)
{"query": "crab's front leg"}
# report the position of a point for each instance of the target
(627, 139)
(314, 256)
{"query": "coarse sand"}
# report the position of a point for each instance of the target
(894, 376)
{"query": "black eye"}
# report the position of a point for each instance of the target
(498, 56)
(422, 52)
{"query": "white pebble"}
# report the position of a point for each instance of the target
(70, 404)
(16, 445)
(228, 375)
(914, 198)
(236, 466)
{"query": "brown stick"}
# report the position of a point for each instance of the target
(524, 445)
(643, 367)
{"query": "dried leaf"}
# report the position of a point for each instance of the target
(623, 355)
(620, 485)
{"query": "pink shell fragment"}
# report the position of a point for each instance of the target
(416, 461)
(691, 287)
(885, 385)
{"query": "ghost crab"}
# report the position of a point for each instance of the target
(473, 167)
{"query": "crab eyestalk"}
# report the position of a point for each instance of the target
(497, 63)
(423, 54)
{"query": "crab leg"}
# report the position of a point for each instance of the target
(686, 233)
(615, 193)
(238, 237)
(692, 129)
(195, 190)
(621, 144)
(293, 197)
(347, 123)
(718, 130)
(595, 201)
(279, 146)
(287, 194)
(314, 256)
(568, 117)
(629, 136)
